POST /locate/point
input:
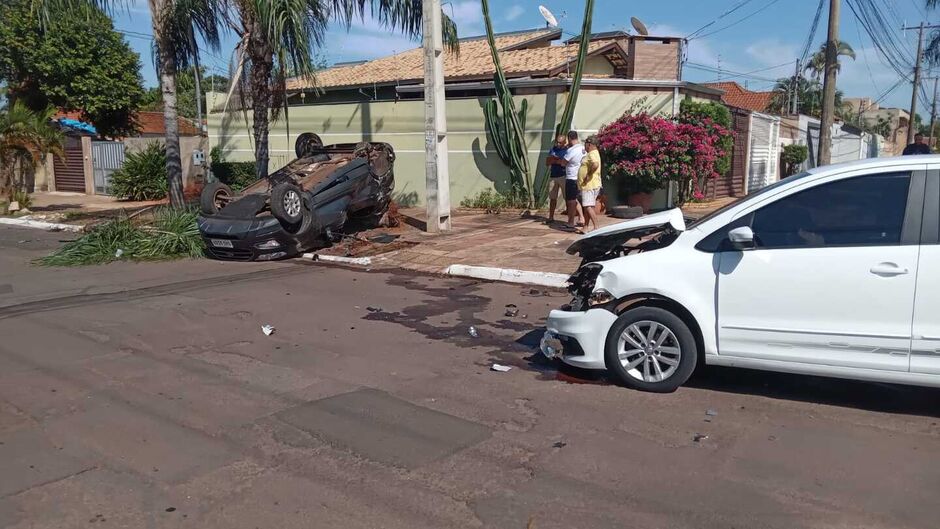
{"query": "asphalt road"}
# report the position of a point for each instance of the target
(147, 396)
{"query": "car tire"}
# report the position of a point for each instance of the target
(641, 364)
(287, 203)
(306, 144)
(214, 196)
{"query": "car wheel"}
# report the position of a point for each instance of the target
(306, 143)
(287, 203)
(651, 349)
(215, 195)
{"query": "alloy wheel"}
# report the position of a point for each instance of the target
(292, 203)
(649, 351)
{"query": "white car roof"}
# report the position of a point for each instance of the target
(875, 163)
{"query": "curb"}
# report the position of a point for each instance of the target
(42, 225)
(359, 261)
(508, 275)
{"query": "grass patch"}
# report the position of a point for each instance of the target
(171, 234)
(492, 201)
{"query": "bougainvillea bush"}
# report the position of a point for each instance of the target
(642, 153)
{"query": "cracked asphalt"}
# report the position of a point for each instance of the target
(146, 396)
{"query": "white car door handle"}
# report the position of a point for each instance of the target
(888, 269)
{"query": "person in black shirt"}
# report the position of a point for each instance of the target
(918, 147)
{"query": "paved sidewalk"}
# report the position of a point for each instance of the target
(504, 240)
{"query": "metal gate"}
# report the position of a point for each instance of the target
(764, 154)
(107, 157)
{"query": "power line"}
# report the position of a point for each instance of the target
(812, 32)
(736, 22)
(739, 5)
(730, 73)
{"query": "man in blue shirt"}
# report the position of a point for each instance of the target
(556, 172)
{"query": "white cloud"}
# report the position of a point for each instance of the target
(771, 52)
(515, 11)
(366, 39)
(467, 15)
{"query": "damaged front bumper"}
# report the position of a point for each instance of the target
(257, 239)
(577, 338)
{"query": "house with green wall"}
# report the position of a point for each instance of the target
(382, 100)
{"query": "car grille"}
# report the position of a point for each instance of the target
(570, 346)
(230, 254)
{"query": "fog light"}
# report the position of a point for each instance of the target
(268, 244)
(600, 297)
(271, 256)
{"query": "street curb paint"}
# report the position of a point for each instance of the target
(42, 225)
(508, 275)
(359, 261)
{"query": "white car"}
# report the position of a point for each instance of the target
(832, 272)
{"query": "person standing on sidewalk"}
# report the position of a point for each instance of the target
(589, 182)
(556, 172)
(572, 164)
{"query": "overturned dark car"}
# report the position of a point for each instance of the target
(302, 205)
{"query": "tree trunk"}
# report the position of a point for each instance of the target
(174, 163)
(262, 65)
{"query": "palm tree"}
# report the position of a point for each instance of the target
(817, 63)
(175, 23)
(277, 39)
(810, 97)
(26, 138)
(932, 51)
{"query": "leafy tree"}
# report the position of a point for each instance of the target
(707, 114)
(810, 97)
(817, 63)
(277, 40)
(26, 137)
(185, 92)
(75, 62)
(792, 156)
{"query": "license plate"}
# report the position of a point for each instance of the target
(221, 243)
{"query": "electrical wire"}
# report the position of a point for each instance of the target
(812, 33)
(728, 73)
(738, 21)
(734, 8)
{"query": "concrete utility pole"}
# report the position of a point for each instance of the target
(933, 115)
(917, 60)
(829, 87)
(795, 102)
(435, 121)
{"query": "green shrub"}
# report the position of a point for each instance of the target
(172, 234)
(237, 175)
(25, 199)
(143, 176)
(792, 156)
(493, 202)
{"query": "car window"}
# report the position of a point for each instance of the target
(748, 198)
(860, 211)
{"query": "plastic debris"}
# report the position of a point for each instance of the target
(119, 253)
(499, 367)
(698, 437)
(711, 413)
(511, 310)
(472, 331)
(373, 309)
(560, 444)
(268, 330)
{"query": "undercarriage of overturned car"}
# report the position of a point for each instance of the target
(302, 205)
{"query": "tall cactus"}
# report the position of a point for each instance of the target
(507, 130)
(568, 115)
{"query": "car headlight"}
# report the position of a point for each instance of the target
(600, 297)
(268, 244)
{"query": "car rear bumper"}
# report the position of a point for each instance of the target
(580, 336)
(245, 235)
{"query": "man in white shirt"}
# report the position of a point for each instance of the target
(572, 163)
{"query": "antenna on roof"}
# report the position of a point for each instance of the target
(639, 26)
(550, 20)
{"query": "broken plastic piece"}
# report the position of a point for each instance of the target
(268, 330)
(119, 253)
(511, 310)
(499, 367)
(711, 413)
(373, 309)
(472, 331)
(698, 437)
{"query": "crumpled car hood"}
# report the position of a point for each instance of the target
(604, 239)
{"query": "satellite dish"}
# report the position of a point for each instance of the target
(550, 20)
(639, 26)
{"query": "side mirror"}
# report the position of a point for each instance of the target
(741, 238)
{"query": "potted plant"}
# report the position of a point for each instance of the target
(642, 153)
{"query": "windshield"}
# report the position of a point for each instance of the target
(747, 198)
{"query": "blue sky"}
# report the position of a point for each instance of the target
(763, 45)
